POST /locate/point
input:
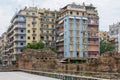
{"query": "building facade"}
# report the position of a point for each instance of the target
(31, 25)
(104, 36)
(77, 31)
(73, 31)
(4, 55)
(0, 50)
(114, 32)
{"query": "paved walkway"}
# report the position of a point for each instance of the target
(22, 76)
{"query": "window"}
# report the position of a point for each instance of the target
(52, 26)
(83, 13)
(27, 13)
(77, 13)
(47, 26)
(21, 43)
(41, 25)
(53, 20)
(28, 37)
(33, 38)
(52, 38)
(77, 54)
(70, 12)
(33, 13)
(28, 31)
(28, 25)
(20, 50)
(33, 18)
(34, 31)
(21, 37)
(21, 30)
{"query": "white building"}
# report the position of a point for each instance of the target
(114, 32)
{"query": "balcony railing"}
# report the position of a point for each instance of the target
(34, 28)
(61, 50)
(19, 39)
(47, 22)
(19, 26)
(34, 34)
(18, 20)
(34, 22)
(34, 41)
(44, 16)
(47, 34)
(60, 44)
(93, 43)
(47, 28)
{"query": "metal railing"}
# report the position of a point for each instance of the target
(71, 75)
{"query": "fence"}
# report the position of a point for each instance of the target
(76, 75)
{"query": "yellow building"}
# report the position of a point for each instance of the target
(31, 25)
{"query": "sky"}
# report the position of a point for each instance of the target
(108, 10)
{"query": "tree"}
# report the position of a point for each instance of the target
(106, 46)
(38, 45)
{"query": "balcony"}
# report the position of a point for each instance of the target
(61, 40)
(93, 36)
(47, 34)
(91, 30)
(60, 32)
(20, 27)
(47, 28)
(92, 12)
(93, 52)
(62, 44)
(49, 40)
(28, 15)
(34, 22)
(93, 24)
(44, 16)
(18, 21)
(60, 51)
(34, 34)
(47, 22)
(93, 43)
(19, 39)
(93, 39)
(34, 41)
(19, 46)
(19, 33)
(34, 28)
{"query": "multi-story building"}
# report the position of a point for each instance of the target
(0, 50)
(73, 31)
(31, 25)
(104, 36)
(77, 31)
(114, 32)
(4, 56)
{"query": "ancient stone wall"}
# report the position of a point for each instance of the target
(37, 59)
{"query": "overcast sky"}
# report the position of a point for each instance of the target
(109, 10)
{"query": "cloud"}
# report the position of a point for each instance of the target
(108, 9)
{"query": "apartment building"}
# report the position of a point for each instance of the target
(104, 36)
(73, 31)
(114, 32)
(77, 31)
(4, 56)
(0, 51)
(31, 25)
